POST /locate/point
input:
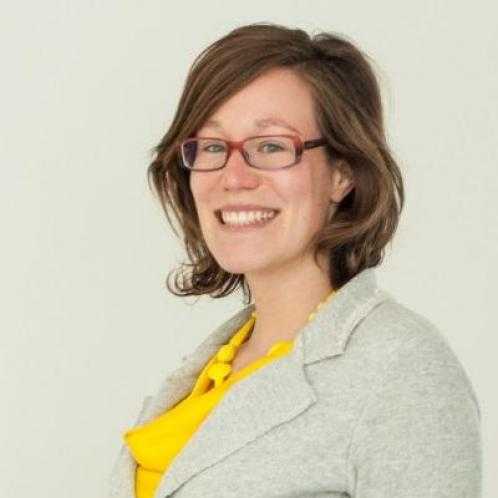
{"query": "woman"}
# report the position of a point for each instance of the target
(277, 169)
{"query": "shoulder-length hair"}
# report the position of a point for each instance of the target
(348, 110)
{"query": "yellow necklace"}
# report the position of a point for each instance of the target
(221, 368)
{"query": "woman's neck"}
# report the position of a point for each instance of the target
(283, 302)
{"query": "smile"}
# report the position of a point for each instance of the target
(245, 221)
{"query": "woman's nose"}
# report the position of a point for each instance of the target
(237, 173)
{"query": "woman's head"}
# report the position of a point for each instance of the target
(302, 194)
(340, 203)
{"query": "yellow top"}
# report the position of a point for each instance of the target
(155, 444)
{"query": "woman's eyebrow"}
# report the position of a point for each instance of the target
(258, 123)
(265, 122)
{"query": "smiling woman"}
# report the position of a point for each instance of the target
(277, 169)
(321, 89)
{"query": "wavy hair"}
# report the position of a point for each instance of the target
(348, 110)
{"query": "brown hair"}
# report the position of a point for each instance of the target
(348, 110)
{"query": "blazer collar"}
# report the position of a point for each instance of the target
(263, 400)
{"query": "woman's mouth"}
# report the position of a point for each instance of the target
(245, 221)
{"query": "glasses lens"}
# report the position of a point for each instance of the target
(271, 152)
(204, 153)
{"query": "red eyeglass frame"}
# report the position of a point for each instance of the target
(299, 146)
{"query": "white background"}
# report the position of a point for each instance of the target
(87, 325)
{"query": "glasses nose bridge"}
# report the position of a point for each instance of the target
(239, 146)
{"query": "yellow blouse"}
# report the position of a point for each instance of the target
(155, 444)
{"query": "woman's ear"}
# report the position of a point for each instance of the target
(342, 182)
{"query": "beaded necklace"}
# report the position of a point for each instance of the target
(222, 366)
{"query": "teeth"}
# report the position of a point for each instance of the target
(246, 217)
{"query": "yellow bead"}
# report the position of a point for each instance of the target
(241, 335)
(218, 371)
(226, 353)
(312, 315)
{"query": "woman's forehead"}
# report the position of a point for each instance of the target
(277, 100)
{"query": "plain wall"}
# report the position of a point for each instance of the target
(87, 325)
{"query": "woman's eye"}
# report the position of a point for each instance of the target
(271, 147)
(214, 148)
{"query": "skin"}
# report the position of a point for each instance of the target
(277, 260)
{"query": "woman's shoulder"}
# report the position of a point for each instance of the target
(396, 342)
(393, 326)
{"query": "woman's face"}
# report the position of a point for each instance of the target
(301, 193)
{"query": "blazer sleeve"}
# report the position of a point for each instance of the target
(419, 432)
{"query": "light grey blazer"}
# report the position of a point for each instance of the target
(370, 403)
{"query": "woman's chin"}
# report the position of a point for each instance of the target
(240, 265)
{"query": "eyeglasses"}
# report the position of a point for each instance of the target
(270, 152)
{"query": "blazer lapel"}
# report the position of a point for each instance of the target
(175, 387)
(268, 397)
(254, 405)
